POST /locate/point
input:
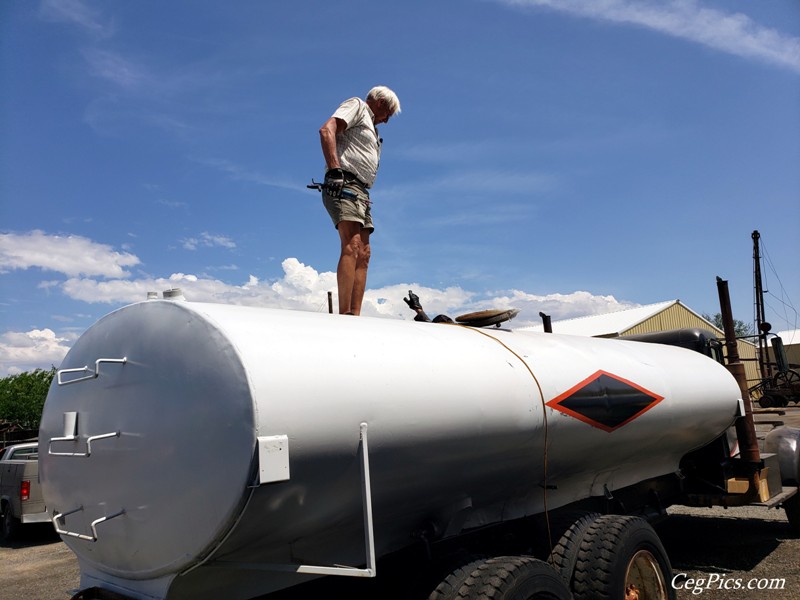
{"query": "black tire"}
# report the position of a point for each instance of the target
(618, 552)
(766, 401)
(10, 526)
(514, 578)
(792, 509)
(565, 553)
(449, 586)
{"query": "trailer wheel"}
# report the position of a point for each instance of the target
(11, 525)
(792, 508)
(767, 401)
(513, 578)
(565, 553)
(787, 379)
(622, 557)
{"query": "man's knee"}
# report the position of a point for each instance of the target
(352, 246)
(364, 254)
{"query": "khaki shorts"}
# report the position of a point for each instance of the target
(350, 209)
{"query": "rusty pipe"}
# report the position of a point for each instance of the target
(745, 427)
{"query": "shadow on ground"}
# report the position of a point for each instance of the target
(720, 544)
(34, 534)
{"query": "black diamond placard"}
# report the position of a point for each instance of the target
(605, 401)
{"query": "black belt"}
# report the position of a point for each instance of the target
(353, 178)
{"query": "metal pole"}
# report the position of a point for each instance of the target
(745, 428)
(330, 303)
(762, 327)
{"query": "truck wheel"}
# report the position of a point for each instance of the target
(792, 508)
(622, 557)
(448, 588)
(11, 525)
(514, 578)
(565, 552)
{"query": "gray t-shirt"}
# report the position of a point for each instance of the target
(359, 146)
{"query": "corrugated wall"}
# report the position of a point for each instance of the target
(675, 316)
(747, 352)
(678, 316)
(792, 355)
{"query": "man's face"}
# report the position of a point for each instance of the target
(381, 113)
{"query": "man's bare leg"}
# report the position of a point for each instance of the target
(360, 280)
(350, 237)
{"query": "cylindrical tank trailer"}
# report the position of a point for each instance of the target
(195, 450)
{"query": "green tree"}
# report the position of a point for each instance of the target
(740, 328)
(22, 397)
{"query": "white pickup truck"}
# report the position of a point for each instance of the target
(20, 493)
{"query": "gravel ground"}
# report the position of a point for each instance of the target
(733, 546)
(711, 549)
(38, 567)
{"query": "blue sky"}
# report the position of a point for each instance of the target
(572, 157)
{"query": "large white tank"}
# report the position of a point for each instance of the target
(154, 464)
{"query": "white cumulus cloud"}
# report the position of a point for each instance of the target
(29, 350)
(95, 276)
(71, 255)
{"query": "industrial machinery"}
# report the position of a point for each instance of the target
(780, 382)
(194, 450)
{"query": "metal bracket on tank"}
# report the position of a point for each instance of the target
(92, 374)
(369, 535)
(90, 538)
(74, 438)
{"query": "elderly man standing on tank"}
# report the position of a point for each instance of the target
(352, 150)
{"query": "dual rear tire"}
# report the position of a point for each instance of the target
(597, 557)
(622, 557)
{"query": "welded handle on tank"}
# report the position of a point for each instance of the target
(74, 438)
(82, 536)
(92, 374)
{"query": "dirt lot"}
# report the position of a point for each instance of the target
(38, 567)
(713, 547)
(716, 554)
(734, 547)
(750, 546)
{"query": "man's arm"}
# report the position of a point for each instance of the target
(327, 136)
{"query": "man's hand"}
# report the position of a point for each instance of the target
(334, 182)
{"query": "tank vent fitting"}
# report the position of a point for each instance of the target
(174, 294)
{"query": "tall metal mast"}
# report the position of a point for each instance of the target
(762, 327)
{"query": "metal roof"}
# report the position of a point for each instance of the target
(790, 336)
(610, 324)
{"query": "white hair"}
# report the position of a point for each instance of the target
(381, 93)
